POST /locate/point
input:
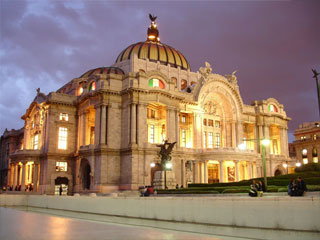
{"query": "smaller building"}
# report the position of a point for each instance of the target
(10, 141)
(307, 142)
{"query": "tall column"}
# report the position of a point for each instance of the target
(239, 133)
(97, 125)
(9, 175)
(234, 141)
(23, 178)
(249, 166)
(267, 136)
(133, 125)
(142, 124)
(35, 177)
(183, 174)
(103, 124)
(221, 171)
(83, 123)
(15, 175)
(201, 172)
(205, 171)
(255, 166)
(236, 163)
(177, 128)
(196, 172)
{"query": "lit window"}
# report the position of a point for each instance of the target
(204, 140)
(63, 135)
(304, 152)
(205, 122)
(305, 160)
(217, 124)
(315, 159)
(183, 84)
(272, 108)
(314, 137)
(153, 82)
(61, 166)
(210, 123)
(32, 125)
(92, 86)
(210, 140)
(184, 142)
(80, 90)
(64, 117)
(36, 142)
(151, 133)
(217, 139)
(183, 119)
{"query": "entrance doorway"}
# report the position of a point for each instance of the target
(277, 173)
(63, 181)
(85, 174)
(154, 169)
(213, 171)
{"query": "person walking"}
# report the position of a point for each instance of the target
(60, 190)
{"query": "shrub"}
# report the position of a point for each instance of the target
(312, 188)
(308, 167)
(272, 189)
(283, 189)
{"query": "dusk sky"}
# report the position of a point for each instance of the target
(272, 44)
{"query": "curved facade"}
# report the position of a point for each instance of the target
(100, 132)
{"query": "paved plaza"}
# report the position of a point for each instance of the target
(22, 225)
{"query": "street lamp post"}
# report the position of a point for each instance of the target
(315, 75)
(265, 142)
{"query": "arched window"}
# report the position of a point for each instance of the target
(154, 82)
(272, 108)
(183, 84)
(304, 156)
(92, 86)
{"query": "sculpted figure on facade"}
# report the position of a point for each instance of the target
(232, 78)
(189, 174)
(210, 108)
(206, 71)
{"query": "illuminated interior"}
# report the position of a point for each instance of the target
(186, 129)
(62, 138)
(274, 134)
(92, 86)
(157, 121)
(90, 125)
(249, 133)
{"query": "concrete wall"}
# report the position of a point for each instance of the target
(262, 218)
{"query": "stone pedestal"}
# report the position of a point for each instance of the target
(159, 182)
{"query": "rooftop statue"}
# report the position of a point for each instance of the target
(232, 78)
(206, 71)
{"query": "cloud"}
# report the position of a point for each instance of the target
(273, 45)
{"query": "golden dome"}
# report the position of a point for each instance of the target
(155, 51)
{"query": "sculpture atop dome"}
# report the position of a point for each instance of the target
(153, 33)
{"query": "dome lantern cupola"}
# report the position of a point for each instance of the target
(155, 51)
(153, 32)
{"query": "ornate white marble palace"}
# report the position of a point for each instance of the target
(99, 131)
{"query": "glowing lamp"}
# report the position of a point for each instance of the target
(242, 146)
(298, 164)
(305, 161)
(168, 165)
(152, 164)
(265, 142)
(285, 165)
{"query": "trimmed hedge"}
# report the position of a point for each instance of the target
(308, 167)
(183, 191)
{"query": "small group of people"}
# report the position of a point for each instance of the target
(28, 188)
(257, 189)
(297, 188)
(146, 191)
